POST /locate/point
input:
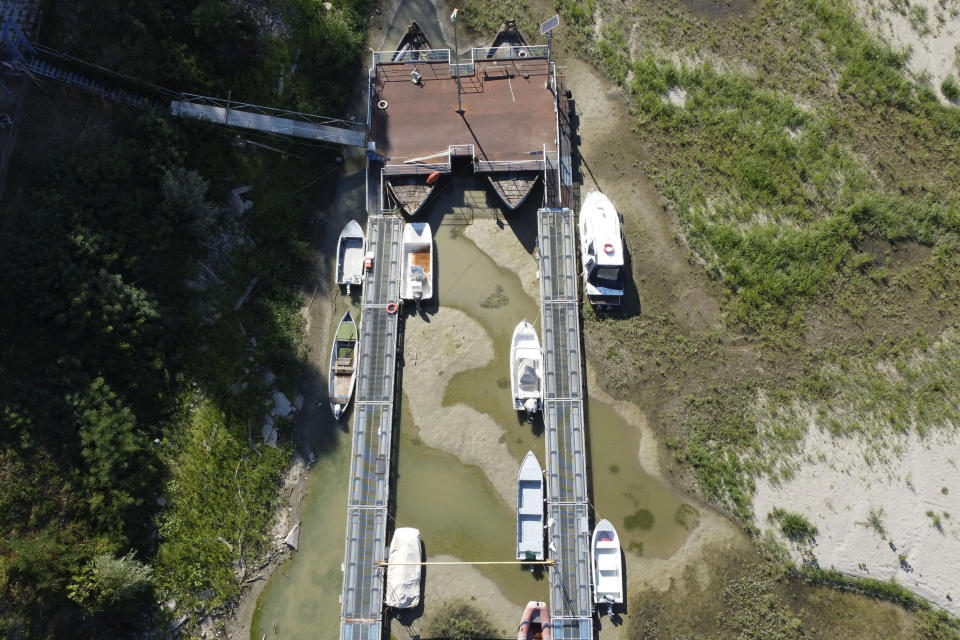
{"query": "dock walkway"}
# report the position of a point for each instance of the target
(361, 603)
(568, 515)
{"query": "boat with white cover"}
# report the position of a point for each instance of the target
(530, 509)
(535, 622)
(601, 248)
(350, 255)
(526, 369)
(417, 283)
(343, 364)
(607, 564)
(403, 580)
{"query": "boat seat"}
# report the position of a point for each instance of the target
(607, 562)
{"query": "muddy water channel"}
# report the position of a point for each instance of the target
(460, 442)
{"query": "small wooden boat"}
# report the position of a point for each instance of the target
(513, 187)
(350, 255)
(343, 364)
(526, 369)
(530, 509)
(417, 283)
(508, 43)
(535, 623)
(403, 580)
(607, 564)
(412, 42)
(410, 192)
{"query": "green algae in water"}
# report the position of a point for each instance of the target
(640, 519)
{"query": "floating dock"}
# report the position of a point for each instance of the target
(516, 117)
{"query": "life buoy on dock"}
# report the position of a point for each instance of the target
(433, 177)
(608, 249)
(392, 308)
(522, 53)
(383, 104)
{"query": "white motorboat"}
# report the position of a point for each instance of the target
(403, 580)
(607, 564)
(530, 509)
(343, 364)
(601, 247)
(350, 255)
(417, 283)
(526, 369)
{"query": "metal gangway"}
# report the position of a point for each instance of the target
(361, 603)
(568, 522)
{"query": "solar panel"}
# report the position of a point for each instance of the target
(549, 25)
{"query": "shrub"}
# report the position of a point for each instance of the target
(459, 621)
(950, 88)
(793, 525)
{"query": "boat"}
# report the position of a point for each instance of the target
(530, 509)
(526, 369)
(410, 191)
(343, 364)
(350, 255)
(607, 564)
(535, 623)
(513, 187)
(411, 44)
(403, 580)
(417, 283)
(508, 43)
(601, 248)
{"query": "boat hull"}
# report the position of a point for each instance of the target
(350, 249)
(410, 192)
(526, 369)
(535, 622)
(530, 509)
(417, 251)
(513, 187)
(601, 250)
(607, 564)
(343, 365)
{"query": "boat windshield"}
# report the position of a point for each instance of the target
(608, 276)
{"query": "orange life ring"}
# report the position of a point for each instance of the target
(608, 249)
(433, 177)
(392, 308)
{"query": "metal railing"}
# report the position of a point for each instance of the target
(270, 111)
(406, 56)
(415, 169)
(488, 166)
(509, 52)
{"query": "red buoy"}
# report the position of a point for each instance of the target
(433, 177)
(608, 249)
(392, 308)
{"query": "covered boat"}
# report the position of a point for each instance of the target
(601, 248)
(417, 283)
(535, 623)
(403, 579)
(343, 365)
(530, 509)
(607, 564)
(513, 187)
(526, 369)
(350, 255)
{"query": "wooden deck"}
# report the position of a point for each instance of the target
(509, 112)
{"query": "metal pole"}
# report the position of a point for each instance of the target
(549, 43)
(456, 53)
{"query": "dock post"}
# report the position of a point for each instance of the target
(456, 54)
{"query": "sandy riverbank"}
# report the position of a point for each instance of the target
(836, 489)
(434, 352)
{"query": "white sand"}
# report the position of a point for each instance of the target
(836, 489)
(933, 47)
(434, 352)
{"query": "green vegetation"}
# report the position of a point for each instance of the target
(458, 621)
(950, 88)
(129, 387)
(793, 525)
